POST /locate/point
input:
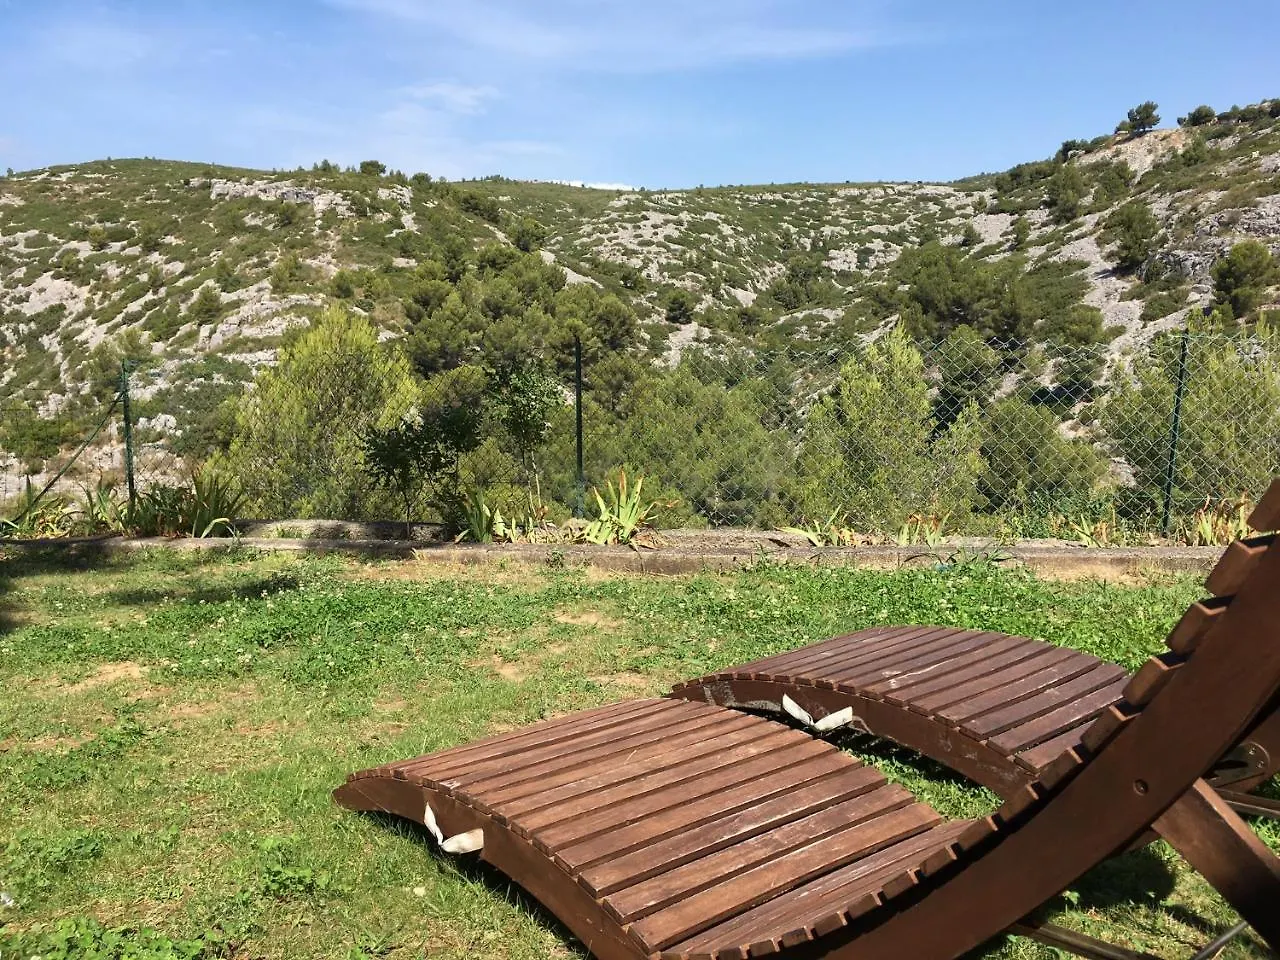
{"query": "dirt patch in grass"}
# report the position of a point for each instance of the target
(626, 683)
(42, 744)
(587, 618)
(110, 673)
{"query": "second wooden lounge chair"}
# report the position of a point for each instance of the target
(674, 829)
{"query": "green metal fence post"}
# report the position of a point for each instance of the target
(1175, 431)
(580, 491)
(128, 435)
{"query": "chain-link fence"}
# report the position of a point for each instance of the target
(1173, 436)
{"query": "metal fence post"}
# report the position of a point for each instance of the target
(128, 435)
(1175, 432)
(580, 491)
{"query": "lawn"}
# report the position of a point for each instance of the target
(172, 726)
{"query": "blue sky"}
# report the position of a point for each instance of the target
(648, 92)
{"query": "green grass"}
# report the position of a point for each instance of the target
(174, 724)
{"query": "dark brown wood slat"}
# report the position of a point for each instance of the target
(823, 666)
(1150, 680)
(783, 656)
(1020, 684)
(615, 874)
(844, 645)
(959, 654)
(721, 799)
(1015, 664)
(1266, 515)
(659, 892)
(813, 901)
(1057, 773)
(584, 748)
(747, 889)
(1070, 715)
(1195, 623)
(529, 796)
(1104, 729)
(1237, 565)
(995, 722)
(557, 731)
(1038, 757)
(894, 662)
(509, 776)
(696, 767)
(1005, 652)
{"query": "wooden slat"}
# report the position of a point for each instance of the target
(1150, 680)
(997, 721)
(1266, 515)
(663, 890)
(1040, 758)
(823, 667)
(583, 749)
(736, 728)
(1018, 684)
(559, 731)
(680, 814)
(896, 661)
(1071, 714)
(957, 654)
(1007, 652)
(635, 867)
(1195, 623)
(696, 767)
(1237, 565)
(840, 649)
(747, 889)
(1106, 726)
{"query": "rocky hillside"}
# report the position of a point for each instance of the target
(203, 269)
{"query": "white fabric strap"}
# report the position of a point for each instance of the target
(832, 721)
(468, 842)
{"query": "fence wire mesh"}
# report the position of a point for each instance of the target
(1175, 436)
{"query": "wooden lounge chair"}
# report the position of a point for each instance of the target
(994, 707)
(679, 829)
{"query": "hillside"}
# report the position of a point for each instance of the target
(201, 272)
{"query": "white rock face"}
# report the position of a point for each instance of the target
(284, 191)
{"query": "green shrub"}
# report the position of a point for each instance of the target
(1242, 276)
(1028, 461)
(297, 449)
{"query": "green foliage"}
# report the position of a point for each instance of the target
(622, 514)
(1133, 229)
(680, 306)
(528, 234)
(936, 288)
(1230, 419)
(1065, 193)
(86, 939)
(297, 447)
(1241, 277)
(1145, 116)
(206, 306)
(1020, 233)
(372, 168)
(874, 448)
(1029, 463)
(208, 505)
(1199, 117)
(419, 454)
(806, 283)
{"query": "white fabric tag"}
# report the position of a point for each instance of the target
(796, 711)
(832, 721)
(468, 842)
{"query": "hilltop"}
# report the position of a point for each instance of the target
(204, 270)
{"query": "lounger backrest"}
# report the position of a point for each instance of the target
(1179, 715)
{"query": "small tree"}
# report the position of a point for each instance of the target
(528, 234)
(1242, 276)
(1021, 230)
(1198, 117)
(206, 306)
(297, 448)
(372, 168)
(1066, 192)
(1144, 117)
(1133, 229)
(680, 304)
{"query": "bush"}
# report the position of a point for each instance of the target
(1230, 423)
(528, 234)
(1199, 116)
(1029, 463)
(297, 448)
(1242, 276)
(1144, 117)
(1133, 229)
(874, 451)
(372, 168)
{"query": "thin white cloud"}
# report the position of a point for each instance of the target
(97, 47)
(450, 95)
(623, 36)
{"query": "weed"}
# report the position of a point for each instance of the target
(624, 516)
